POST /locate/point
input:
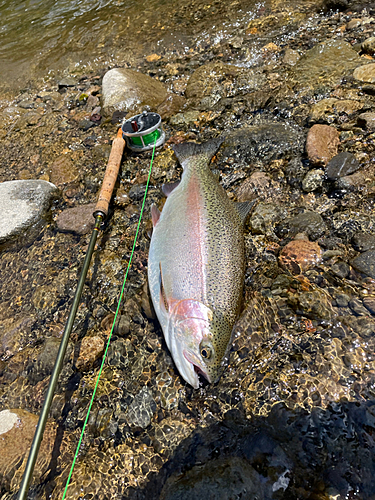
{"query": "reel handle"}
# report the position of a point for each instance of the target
(110, 176)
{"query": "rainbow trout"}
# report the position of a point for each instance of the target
(196, 265)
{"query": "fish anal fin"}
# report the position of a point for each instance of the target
(155, 214)
(244, 208)
(168, 188)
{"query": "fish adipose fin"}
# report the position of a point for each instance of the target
(244, 208)
(187, 150)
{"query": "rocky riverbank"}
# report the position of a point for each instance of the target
(293, 91)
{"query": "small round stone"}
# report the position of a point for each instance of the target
(300, 255)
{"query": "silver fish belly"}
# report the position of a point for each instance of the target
(196, 266)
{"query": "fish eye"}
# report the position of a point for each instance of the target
(206, 352)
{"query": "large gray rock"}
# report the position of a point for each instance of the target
(130, 91)
(24, 206)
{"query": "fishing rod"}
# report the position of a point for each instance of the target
(142, 132)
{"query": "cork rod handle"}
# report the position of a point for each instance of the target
(110, 176)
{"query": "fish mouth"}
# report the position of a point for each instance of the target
(196, 365)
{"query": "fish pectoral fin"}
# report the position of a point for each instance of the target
(163, 297)
(155, 214)
(168, 188)
(244, 208)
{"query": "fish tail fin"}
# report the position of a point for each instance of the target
(188, 150)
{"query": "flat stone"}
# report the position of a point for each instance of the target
(325, 65)
(173, 104)
(68, 81)
(308, 222)
(341, 165)
(351, 182)
(367, 120)
(357, 307)
(130, 91)
(63, 171)
(258, 186)
(369, 303)
(353, 23)
(327, 110)
(77, 220)
(365, 74)
(17, 428)
(141, 409)
(322, 144)
(365, 263)
(24, 206)
(90, 350)
(363, 242)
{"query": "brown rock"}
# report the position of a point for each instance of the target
(367, 120)
(90, 350)
(78, 220)
(17, 428)
(258, 185)
(354, 23)
(365, 73)
(369, 303)
(63, 171)
(322, 144)
(173, 104)
(300, 255)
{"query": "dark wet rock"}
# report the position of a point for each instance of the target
(341, 165)
(63, 171)
(42, 367)
(299, 256)
(319, 66)
(86, 124)
(365, 263)
(17, 428)
(368, 46)
(365, 74)
(68, 81)
(367, 120)
(291, 57)
(340, 268)
(77, 220)
(130, 91)
(216, 80)
(369, 303)
(322, 144)
(258, 186)
(357, 307)
(15, 334)
(221, 479)
(314, 304)
(141, 409)
(24, 206)
(363, 242)
(351, 182)
(295, 171)
(313, 180)
(342, 299)
(308, 222)
(264, 217)
(90, 350)
(264, 142)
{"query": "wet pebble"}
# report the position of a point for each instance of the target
(341, 165)
(90, 350)
(24, 205)
(357, 307)
(351, 182)
(368, 46)
(313, 180)
(258, 186)
(77, 220)
(308, 222)
(264, 217)
(322, 144)
(68, 81)
(369, 303)
(342, 299)
(365, 263)
(365, 74)
(130, 91)
(299, 256)
(141, 409)
(291, 57)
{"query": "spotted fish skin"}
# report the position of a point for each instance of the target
(196, 266)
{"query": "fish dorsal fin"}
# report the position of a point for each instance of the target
(155, 214)
(187, 150)
(168, 188)
(244, 208)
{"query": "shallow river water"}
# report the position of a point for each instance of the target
(292, 417)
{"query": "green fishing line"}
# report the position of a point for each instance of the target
(110, 334)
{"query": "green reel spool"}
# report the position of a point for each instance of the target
(141, 131)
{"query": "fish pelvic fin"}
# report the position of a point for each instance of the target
(188, 150)
(244, 208)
